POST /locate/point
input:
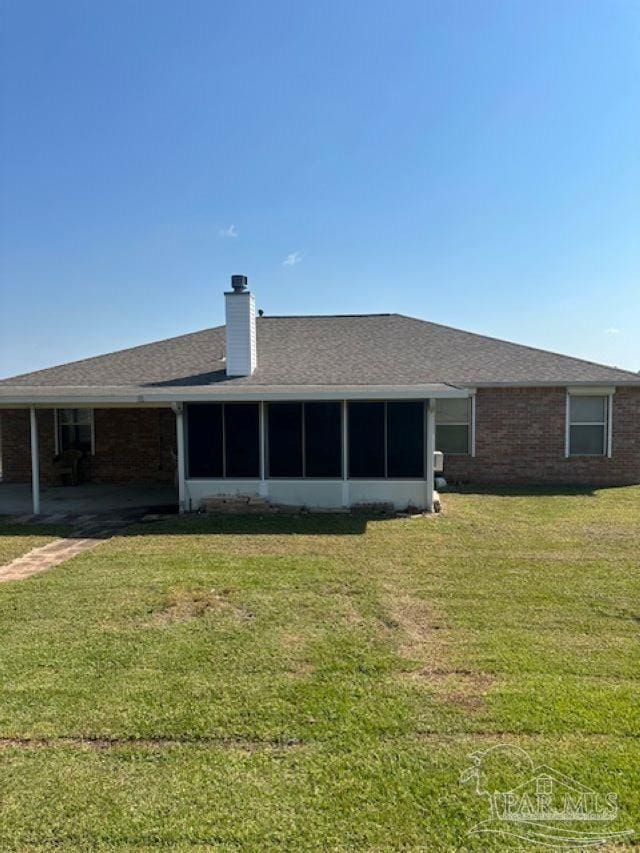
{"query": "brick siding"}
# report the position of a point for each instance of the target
(520, 435)
(131, 446)
(520, 438)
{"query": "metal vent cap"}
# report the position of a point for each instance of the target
(239, 283)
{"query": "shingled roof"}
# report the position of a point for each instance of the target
(351, 350)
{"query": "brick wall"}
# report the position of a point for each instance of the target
(16, 445)
(520, 437)
(520, 434)
(131, 446)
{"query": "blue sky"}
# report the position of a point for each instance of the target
(472, 163)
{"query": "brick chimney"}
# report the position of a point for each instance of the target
(240, 311)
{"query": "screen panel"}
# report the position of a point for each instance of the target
(323, 439)
(204, 439)
(366, 439)
(242, 439)
(405, 439)
(285, 439)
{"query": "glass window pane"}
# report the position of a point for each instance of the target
(65, 416)
(242, 439)
(83, 438)
(83, 416)
(587, 409)
(452, 439)
(586, 440)
(405, 439)
(366, 439)
(453, 411)
(75, 437)
(204, 439)
(285, 439)
(323, 439)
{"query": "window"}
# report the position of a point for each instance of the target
(453, 426)
(223, 440)
(305, 439)
(405, 439)
(75, 430)
(588, 415)
(386, 440)
(366, 440)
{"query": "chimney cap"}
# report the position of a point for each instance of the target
(239, 283)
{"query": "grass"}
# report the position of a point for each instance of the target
(319, 682)
(17, 539)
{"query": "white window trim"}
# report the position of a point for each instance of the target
(470, 424)
(56, 430)
(473, 423)
(607, 423)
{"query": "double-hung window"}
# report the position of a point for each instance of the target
(453, 426)
(74, 430)
(588, 426)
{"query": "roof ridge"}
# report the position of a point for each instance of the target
(520, 346)
(322, 316)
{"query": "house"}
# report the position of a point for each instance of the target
(324, 411)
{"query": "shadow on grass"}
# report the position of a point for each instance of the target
(328, 524)
(325, 524)
(525, 490)
(8, 528)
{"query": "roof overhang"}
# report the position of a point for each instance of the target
(20, 397)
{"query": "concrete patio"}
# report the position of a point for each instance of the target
(15, 499)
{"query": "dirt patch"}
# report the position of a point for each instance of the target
(469, 691)
(293, 647)
(101, 743)
(425, 640)
(185, 605)
(420, 632)
(464, 688)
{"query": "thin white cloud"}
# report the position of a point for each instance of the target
(612, 331)
(292, 259)
(231, 231)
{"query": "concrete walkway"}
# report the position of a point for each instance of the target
(15, 498)
(60, 550)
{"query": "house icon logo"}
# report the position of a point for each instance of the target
(538, 804)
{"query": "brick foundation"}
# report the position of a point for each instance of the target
(131, 446)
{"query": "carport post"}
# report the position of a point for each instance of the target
(35, 462)
(177, 408)
(431, 449)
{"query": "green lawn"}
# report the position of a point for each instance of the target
(318, 682)
(17, 539)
